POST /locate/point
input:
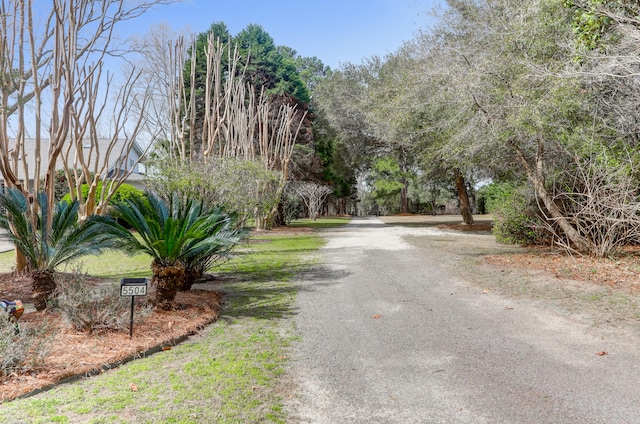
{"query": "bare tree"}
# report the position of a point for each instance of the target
(601, 202)
(55, 90)
(237, 123)
(312, 194)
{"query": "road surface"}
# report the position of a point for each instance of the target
(388, 335)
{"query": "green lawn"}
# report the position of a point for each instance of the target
(233, 372)
(112, 265)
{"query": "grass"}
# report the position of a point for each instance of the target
(233, 372)
(111, 265)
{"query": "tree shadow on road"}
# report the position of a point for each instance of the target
(260, 297)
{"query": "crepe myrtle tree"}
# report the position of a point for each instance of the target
(233, 119)
(313, 195)
(58, 95)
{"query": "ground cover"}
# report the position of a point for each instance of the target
(229, 372)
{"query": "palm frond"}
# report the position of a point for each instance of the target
(174, 231)
(46, 247)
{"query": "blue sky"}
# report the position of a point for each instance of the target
(334, 31)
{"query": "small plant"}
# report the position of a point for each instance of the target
(223, 236)
(88, 308)
(25, 348)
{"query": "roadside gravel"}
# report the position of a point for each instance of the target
(399, 325)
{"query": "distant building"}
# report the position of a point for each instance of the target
(118, 163)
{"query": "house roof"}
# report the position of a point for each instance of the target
(94, 153)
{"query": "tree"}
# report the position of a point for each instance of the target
(336, 171)
(501, 107)
(266, 67)
(312, 194)
(345, 137)
(237, 122)
(54, 86)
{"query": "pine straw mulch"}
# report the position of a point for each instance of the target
(620, 272)
(477, 227)
(75, 354)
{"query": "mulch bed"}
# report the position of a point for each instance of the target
(79, 354)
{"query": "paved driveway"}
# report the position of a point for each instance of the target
(389, 336)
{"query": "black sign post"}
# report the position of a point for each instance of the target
(133, 287)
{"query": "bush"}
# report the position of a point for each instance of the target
(292, 205)
(494, 195)
(124, 192)
(514, 215)
(25, 350)
(88, 309)
(240, 186)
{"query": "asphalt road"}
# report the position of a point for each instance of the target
(387, 336)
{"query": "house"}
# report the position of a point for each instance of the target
(119, 160)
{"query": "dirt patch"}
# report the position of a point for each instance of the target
(282, 231)
(78, 354)
(618, 273)
(466, 227)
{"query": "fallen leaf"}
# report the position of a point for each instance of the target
(134, 388)
(508, 308)
(376, 316)
(603, 353)
(485, 291)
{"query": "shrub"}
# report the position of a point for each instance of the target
(240, 186)
(124, 192)
(25, 350)
(494, 195)
(45, 247)
(515, 214)
(292, 205)
(88, 308)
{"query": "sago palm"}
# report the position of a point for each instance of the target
(44, 246)
(169, 232)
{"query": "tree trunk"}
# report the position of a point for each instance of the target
(465, 208)
(190, 276)
(404, 191)
(536, 176)
(404, 196)
(167, 279)
(43, 287)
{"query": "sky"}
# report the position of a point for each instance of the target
(334, 31)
